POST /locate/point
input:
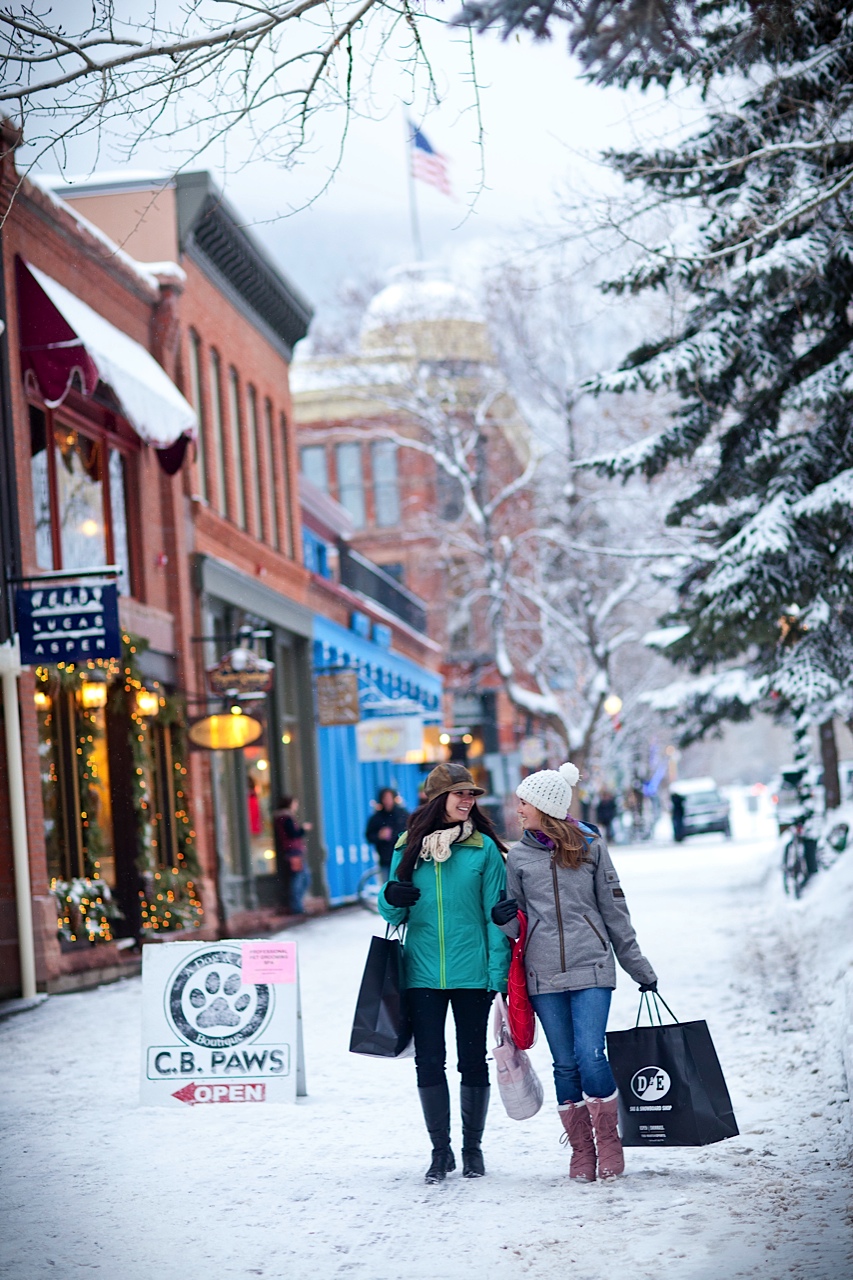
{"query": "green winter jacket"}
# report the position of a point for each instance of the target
(450, 938)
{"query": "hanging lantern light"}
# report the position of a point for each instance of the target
(41, 699)
(93, 694)
(147, 703)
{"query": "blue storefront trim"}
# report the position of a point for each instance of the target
(347, 786)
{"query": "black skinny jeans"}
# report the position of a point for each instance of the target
(428, 1009)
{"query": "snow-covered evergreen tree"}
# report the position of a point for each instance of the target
(763, 363)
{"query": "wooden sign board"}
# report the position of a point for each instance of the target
(337, 698)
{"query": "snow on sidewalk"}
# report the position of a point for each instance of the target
(95, 1185)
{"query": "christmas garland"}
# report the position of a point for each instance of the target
(169, 899)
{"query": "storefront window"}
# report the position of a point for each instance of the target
(260, 807)
(75, 776)
(79, 498)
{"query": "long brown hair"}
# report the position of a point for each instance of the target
(570, 847)
(431, 817)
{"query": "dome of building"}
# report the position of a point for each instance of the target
(422, 312)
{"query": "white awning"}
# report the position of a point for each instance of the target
(150, 401)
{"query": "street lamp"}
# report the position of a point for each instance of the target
(613, 704)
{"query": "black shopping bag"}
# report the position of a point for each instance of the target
(381, 1026)
(671, 1087)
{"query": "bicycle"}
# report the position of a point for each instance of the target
(804, 855)
(799, 857)
(369, 887)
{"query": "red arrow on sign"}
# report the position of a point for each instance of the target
(187, 1094)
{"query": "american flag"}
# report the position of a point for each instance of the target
(428, 164)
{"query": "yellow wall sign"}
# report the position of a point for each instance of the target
(389, 738)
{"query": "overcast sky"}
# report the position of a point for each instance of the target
(543, 128)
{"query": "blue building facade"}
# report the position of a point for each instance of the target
(388, 685)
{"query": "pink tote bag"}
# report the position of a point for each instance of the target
(520, 1087)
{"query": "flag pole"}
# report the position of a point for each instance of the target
(417, 243)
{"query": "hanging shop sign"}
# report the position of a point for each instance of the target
(221, 1022)
(240, 672)
(391, 739)
(337, 698)
(68, 623)
(227, 732)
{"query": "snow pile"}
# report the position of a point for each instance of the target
(818, 931)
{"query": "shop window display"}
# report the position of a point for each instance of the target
(79, 497)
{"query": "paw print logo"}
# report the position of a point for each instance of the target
(208, 1004)
(219, 1012)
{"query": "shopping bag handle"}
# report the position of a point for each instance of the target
(657, 998)
(399, 929)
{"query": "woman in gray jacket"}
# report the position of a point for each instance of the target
(560, 874)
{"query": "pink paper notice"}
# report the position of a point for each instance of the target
(267, 962)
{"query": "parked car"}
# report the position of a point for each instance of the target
(798, 788)
(698, 807)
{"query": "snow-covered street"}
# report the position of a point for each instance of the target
(94, 1184)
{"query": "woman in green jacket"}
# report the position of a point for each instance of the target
(447, 873)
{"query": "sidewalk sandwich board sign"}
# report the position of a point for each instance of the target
(221, 1022)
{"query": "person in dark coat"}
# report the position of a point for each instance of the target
(294, 876)
(606, 812)
(385, 826)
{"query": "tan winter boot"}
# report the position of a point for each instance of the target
(576, 1122)
(604, 1113)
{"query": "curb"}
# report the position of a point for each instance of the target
(847, 1036)
(8, 1008)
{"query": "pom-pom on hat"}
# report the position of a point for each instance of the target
(550, 790)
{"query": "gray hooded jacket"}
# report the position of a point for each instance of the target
(577, 917)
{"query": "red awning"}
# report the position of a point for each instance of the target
(65, 343)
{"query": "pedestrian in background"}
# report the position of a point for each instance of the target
(446, 875)
(290, 854)
(605, 812)
(561, 876)
(385, 826)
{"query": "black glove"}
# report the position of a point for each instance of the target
(647, 986)
(401, 893)
(505, 910)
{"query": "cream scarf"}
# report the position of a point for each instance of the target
(437, 844)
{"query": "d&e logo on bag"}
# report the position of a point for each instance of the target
(650, 1084)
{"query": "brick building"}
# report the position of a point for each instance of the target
(95, 433)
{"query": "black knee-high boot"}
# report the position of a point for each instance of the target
(435, 1100)
(475, 1104)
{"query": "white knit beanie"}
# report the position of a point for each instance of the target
(550, 790)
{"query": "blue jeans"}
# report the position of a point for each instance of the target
(299, 881)
(574, 1023)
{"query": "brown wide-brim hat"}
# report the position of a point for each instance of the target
(447, 777)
